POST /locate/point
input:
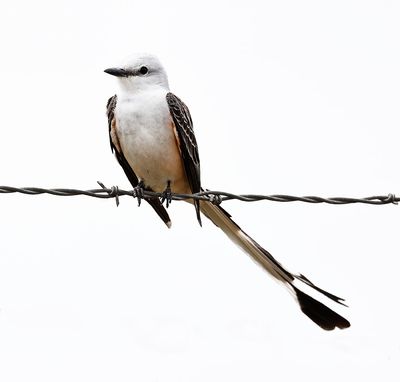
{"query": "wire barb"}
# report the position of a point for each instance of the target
(215, 197)
(113, 191)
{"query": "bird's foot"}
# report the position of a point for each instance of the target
(166, 195)
(138, 192)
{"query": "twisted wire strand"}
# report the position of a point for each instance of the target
(215, 197)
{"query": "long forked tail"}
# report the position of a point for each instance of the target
(323, 316)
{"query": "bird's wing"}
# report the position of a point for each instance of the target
(116, 149)
(187, 144)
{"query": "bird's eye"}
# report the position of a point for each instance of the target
(143, 70)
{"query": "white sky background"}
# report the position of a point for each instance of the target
(287, 97)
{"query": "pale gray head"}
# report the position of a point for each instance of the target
(140, 72)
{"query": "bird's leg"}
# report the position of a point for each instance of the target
(166, 195)
(138, 192)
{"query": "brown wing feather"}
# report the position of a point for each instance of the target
(187, 144)
(116, 149)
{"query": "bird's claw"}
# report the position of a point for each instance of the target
(167, 195)
(138, 193)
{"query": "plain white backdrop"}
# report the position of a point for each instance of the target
(287, 97)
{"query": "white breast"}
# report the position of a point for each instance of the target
(147, 139)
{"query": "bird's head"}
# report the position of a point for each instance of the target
(140, 72)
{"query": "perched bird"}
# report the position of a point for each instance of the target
(151, 134)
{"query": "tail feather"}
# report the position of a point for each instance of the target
(161, 211)
(323, 316)
(305, 280)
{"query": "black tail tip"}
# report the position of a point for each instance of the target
(323, 316)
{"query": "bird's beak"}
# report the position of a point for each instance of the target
(118, 72)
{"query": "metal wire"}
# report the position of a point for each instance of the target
(215, 197)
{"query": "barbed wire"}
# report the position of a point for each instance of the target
(215, 197)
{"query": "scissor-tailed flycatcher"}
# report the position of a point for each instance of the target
(151, 134)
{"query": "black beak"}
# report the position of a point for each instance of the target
(118, 72)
